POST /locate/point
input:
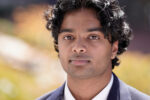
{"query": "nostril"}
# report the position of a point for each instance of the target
(81, 50)
(78, 49)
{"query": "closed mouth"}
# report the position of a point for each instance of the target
(79, 61)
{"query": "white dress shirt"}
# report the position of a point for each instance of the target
(101, 96)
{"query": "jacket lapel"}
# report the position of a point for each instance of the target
(119, 90)
(124, 91)
(114, 93)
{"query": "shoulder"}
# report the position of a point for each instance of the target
(47, 95)
(137, 95)
(131, 93)
(54, 95)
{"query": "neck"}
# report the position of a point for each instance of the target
(86, 89)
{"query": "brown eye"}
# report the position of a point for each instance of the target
(68, 37)
(94, 37)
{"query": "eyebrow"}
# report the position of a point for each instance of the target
(65, 30)
(88, 30)
(95, 29)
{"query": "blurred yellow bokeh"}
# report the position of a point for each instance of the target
(30, 25)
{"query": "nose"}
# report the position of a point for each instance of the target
(79, 47)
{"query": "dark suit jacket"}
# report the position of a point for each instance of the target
(119, 91)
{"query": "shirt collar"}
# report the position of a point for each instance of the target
(68, 95)
(101, 96)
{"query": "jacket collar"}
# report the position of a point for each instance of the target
(119, 91)
(58, 94)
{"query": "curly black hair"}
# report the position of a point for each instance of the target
(109, 13)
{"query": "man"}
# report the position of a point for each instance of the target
(89, 35)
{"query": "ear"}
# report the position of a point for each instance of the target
(114, 49)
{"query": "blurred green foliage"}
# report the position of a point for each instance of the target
(6, 26)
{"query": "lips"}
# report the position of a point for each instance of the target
(79, 62)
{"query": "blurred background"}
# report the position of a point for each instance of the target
(29, 66)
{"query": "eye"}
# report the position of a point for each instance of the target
(68, 37)
(94, 37)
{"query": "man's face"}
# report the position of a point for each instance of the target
(83, 50)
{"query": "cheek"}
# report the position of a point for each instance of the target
(63, 50)
(63, 53)
(102, 60)
(63, 58)
(103, 53)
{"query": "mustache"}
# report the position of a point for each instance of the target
(79, 57)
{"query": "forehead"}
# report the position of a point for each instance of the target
(83, 17)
